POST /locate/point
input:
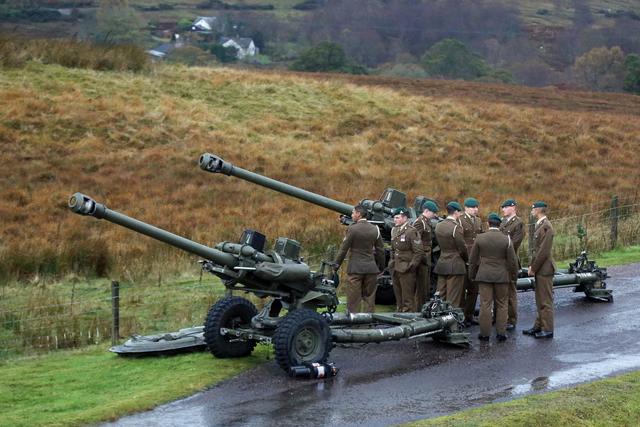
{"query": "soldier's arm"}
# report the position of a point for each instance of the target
(512, 261)
(517, 236)
(544, 253)
(474, 260)
(344, 247)
(458, 237)
(416, 248)
(379, 253)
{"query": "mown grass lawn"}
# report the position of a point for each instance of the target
(90, 385)
(610, 402)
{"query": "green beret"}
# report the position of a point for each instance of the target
(508, 202)
(428, 204)
(401, 211)
(539, 205)
(494, 217)
(455, 205)
(470, 202)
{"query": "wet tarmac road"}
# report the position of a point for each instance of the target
(394, 382)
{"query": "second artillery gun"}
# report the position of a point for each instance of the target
(583, 275)
(302, 335)
(379, 211)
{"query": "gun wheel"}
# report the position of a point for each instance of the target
(230, 312)
(303, 336)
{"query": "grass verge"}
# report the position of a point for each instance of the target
(610, 402)
(86, 386)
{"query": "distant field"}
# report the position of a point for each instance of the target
(132, 142)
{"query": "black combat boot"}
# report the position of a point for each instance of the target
(531, 331)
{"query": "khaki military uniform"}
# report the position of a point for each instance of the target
(471, 227)
(366, 260)
(543, 268)
(406, 255)
(451, 266)
(493, 265)
(423, 283)
(514, 228)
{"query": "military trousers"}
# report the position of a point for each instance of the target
(494, 297)
(512, 310)
(544, 303)
(470, 297)
(453, 287)
(423, 285)
(361, 292)
(404, 288)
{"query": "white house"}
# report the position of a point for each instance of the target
(243, 45)
(205, 24)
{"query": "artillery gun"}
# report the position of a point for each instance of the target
(380, 211)
(233, 325)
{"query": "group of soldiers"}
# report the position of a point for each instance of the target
(476, 258)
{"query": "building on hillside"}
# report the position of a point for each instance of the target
(244, 46)
(206, 24)
(161, 51)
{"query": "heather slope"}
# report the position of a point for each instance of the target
(132, 141)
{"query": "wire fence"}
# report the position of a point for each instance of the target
(46, 318)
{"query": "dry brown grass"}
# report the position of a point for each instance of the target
(132, 141)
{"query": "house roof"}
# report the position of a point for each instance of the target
(243, 42)
(162, 50)
(204, 23)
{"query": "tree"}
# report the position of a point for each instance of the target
(632, 73)
(184, 24)
(326, 57)
(450, 58)
(224, 54)
(117, 22)
(600, 69)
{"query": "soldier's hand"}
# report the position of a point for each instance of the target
(530, 272)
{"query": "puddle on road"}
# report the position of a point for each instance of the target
(588, 371)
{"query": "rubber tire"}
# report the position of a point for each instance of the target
(297, 325)
(228, 312)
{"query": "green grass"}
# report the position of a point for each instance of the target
(610, 402)
(619, 256)
(86, 386)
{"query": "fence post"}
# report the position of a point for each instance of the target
(615, 213)
(532, 230)
(115, 312)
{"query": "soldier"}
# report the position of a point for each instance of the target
(406, 255)
(471, 227)
(451, 266)
(493, 265)
(543, 268)
(423, 226)
(366, 260)
(513, 227)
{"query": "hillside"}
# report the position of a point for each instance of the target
(132, 141)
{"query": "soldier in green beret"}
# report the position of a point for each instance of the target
(422, 224)
(542, 268)
(451, 266)
(493, 265)
(406, 255)
(366, 259)
(513, 227)
(471, 227)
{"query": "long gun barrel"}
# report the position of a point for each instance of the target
(214, 164)
(85, 205)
